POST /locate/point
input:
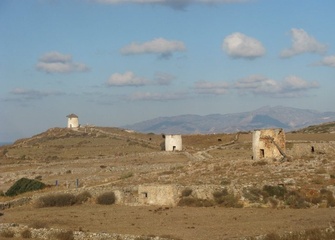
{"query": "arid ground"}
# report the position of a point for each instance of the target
(114, 157)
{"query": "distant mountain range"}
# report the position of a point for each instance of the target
(265, 117)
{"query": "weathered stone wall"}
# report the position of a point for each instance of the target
(163, 195)
(264, 143)
(173, 143)
(299, 149)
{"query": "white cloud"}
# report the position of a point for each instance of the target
(238, 45)
(328, 61)
(216, 88)
(126, 79)
(55, 62)
(30, 94)
(294, 83)
(160, 46)
(175, 4)
(291, 86)
(149, 96)
(163, 79)
(302, 42)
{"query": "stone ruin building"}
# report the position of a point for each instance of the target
(268, 144)
(173, 143)
(72, 121)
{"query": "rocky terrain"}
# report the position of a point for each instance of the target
(217, 170)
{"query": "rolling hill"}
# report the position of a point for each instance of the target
(266, 117)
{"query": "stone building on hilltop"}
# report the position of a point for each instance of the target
(173, 143)
(73, 121)
(268, 143)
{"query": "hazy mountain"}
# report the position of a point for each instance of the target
(265, 117)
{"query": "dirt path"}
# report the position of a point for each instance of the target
(179, 222)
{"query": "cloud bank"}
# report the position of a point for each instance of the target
(216, 88)
(149, 96)
(55, 62)
(30, 94)
(164, 48)
(238, 45)
(291, 86)
(126, 79)
(302, 42)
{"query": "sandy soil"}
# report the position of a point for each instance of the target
(178, 222)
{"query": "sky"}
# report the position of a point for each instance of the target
(119, 62)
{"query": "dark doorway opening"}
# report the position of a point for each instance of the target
(262, 154)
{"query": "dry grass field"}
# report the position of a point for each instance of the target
(109, 157)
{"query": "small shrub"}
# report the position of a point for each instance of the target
(219, 194)
(254, 194)
(56, 200)
(26, 233)
(272, 236)
(225, 181)
(82, 197)
(278, 191)
(260, 163)
(24, 185)
(295, 200)
(106, 198)
(68, 235)
(186, 192)
(274, 202)
(195, 202)
(318, 180)
(226, 199)
(7, 233)
(126, 175)
(328, 196)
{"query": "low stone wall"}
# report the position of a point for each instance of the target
(51, 233)
(299, 149)
(14, 203)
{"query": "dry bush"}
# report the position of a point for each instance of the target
(254, 194)
(7, 233)
(274, 202)
(295, 200)
(260, 163)
(106, 198)
(38, 224)
(127, 175)
(68, 235)
(278, 191)
(186, 192)
(225, 181)
(82, 197)
(272, 236)
(56, 200)
(26, 233)
(328, 196)
(226, 199)
(318, 180)
(195, 202)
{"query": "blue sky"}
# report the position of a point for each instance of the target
(117, 62)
